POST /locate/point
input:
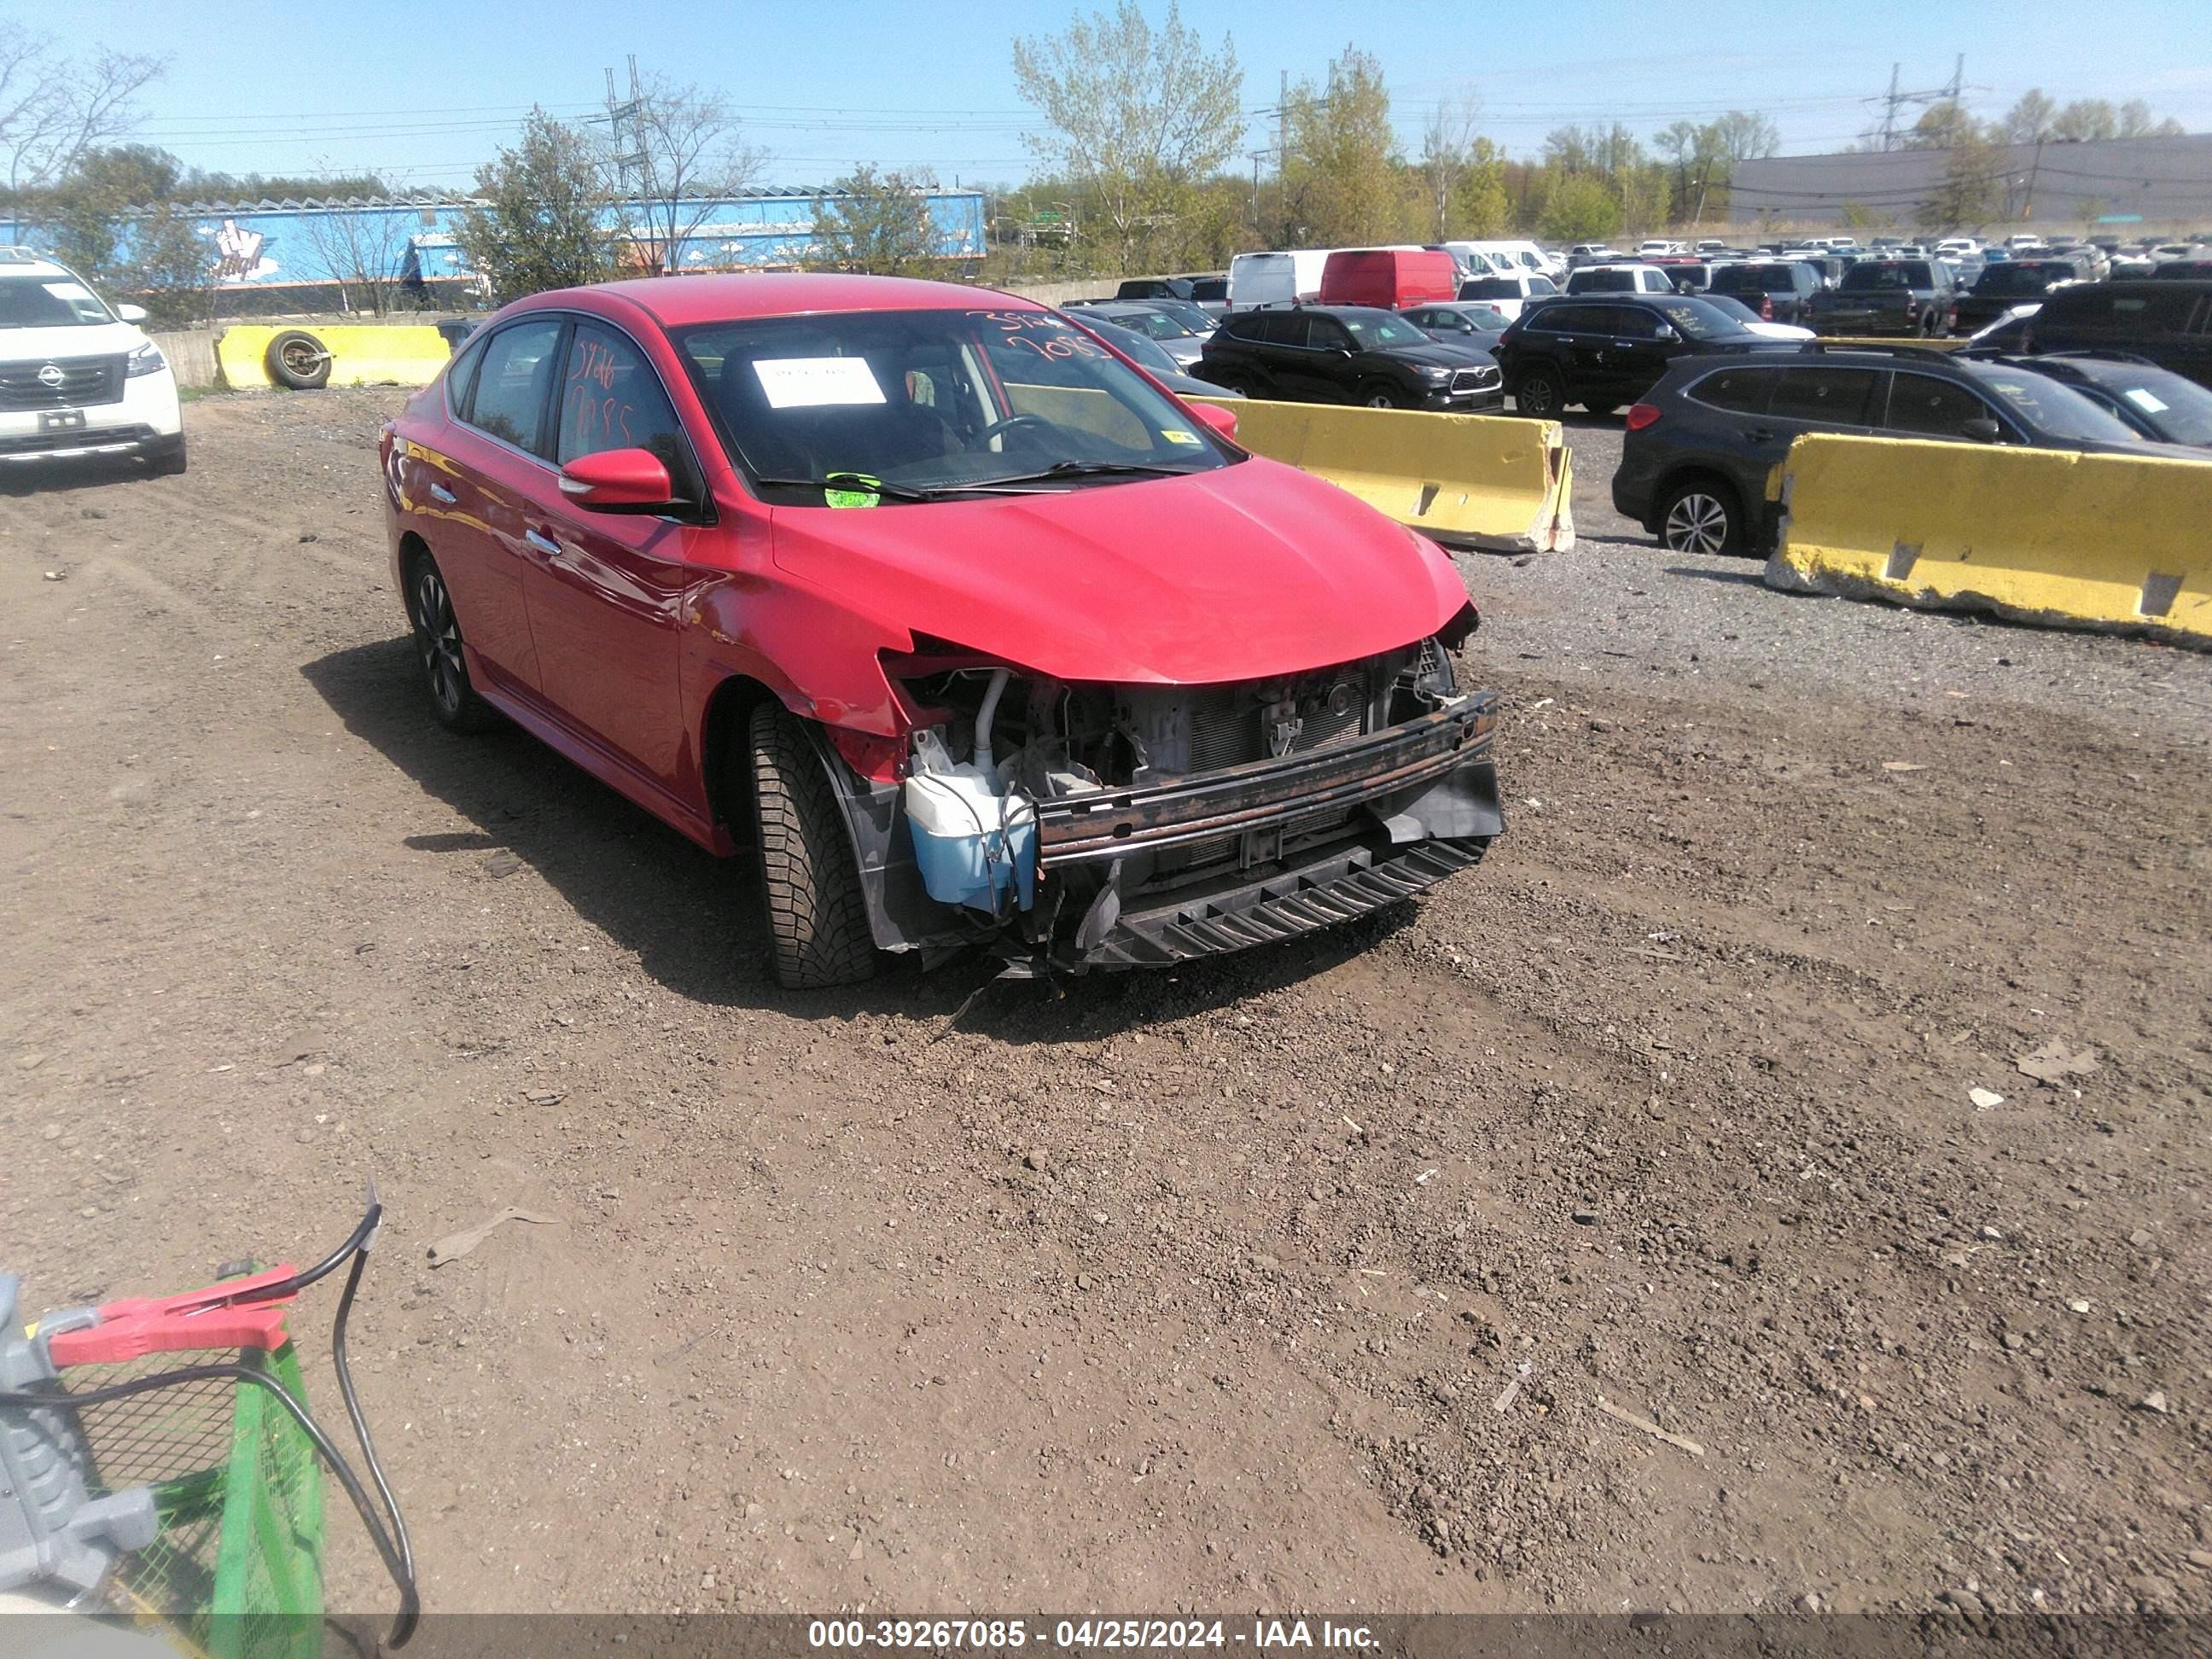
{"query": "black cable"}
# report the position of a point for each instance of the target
(411, 1605)
(403, 1626)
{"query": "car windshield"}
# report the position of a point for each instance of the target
(1139, 348)
(1860, 278)
(2180, 409)
(1698, 319)
(49, 302)
(1732, 308)
(938, 400)
(1380, 328)
(1156, 324)
(2057, 410)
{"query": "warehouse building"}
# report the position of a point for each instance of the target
(2153, 181)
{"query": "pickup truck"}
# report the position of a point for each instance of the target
(1888, 298)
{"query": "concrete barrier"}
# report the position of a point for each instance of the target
(1489, 481)
(2116, 543)
(396, 353)
(191, 352)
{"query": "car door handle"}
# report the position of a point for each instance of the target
(1760, 435)
(542, 542)
(442, 496)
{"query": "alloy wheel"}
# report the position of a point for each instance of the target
(438, 635)
(1696, 523)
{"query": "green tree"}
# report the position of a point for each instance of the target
(2086, 119)
(1342, 180)
(1137, 118)
(2029, 120)
(876, 223)
(1967, 194)
(169, 265)
(538, 226)
(1479, 205)
(2136, 121)
(1579, 209)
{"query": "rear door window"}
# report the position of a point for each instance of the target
(1921, 405)
(1739, 391)
(513, 387)
(1824, 396)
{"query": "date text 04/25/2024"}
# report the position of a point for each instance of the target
(1089, 1634)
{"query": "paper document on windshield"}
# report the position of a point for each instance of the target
(814, 382)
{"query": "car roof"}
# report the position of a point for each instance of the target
(25, 262)
(680, 301)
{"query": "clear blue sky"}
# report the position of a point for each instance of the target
(422, 90)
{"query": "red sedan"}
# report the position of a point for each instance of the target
(972, 632)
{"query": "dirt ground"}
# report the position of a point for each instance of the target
(1200, 1290)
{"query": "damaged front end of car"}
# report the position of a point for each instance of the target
(1072, 826)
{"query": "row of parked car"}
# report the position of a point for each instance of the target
(1717, 383)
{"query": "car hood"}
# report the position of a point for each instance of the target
(91, 340)
(1440, 354)
(1250, 571)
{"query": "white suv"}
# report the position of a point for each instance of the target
(78, 379)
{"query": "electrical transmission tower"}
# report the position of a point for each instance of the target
(625, 131)
(1894, 100)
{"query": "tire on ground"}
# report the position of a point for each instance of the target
(297, 359)
(818, 915)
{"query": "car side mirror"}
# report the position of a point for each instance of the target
(1223, 420)
(619, 481)
(1982, 431)
(130, 314)
(1667, 333)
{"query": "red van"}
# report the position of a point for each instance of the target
(1392, 277)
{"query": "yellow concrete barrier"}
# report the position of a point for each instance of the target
(1472, 480)
(2110, 543)
(369, 354)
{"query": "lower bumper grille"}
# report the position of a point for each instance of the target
(1265, 912)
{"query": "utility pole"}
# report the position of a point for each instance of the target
(1282, 150)
(2034, 167)
(1889, 111)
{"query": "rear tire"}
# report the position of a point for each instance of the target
(1541, 394)
(818, 915)
(1702, 515)
(438, 646)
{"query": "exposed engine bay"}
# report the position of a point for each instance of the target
(1044, 812)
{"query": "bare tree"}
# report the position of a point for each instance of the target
(53, 108)
(1446, 150)
(365, 249)
(680, 150)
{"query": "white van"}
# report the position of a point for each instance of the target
(1511, 257)
(1259, 281)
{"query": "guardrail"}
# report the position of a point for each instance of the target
(2115, 543)
(369, 354)
(1487, 480)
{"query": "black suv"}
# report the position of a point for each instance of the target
(1776, 289)
(1347, 355)
(1695, 460)
(1604, 350)
(1891, 297)
(2011, 283)
(2165, 322)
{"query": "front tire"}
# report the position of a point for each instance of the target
(1541, 394)
(1702, 516)
(817, 916)
(438, 646)
(1376, 395)
(167, 460)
